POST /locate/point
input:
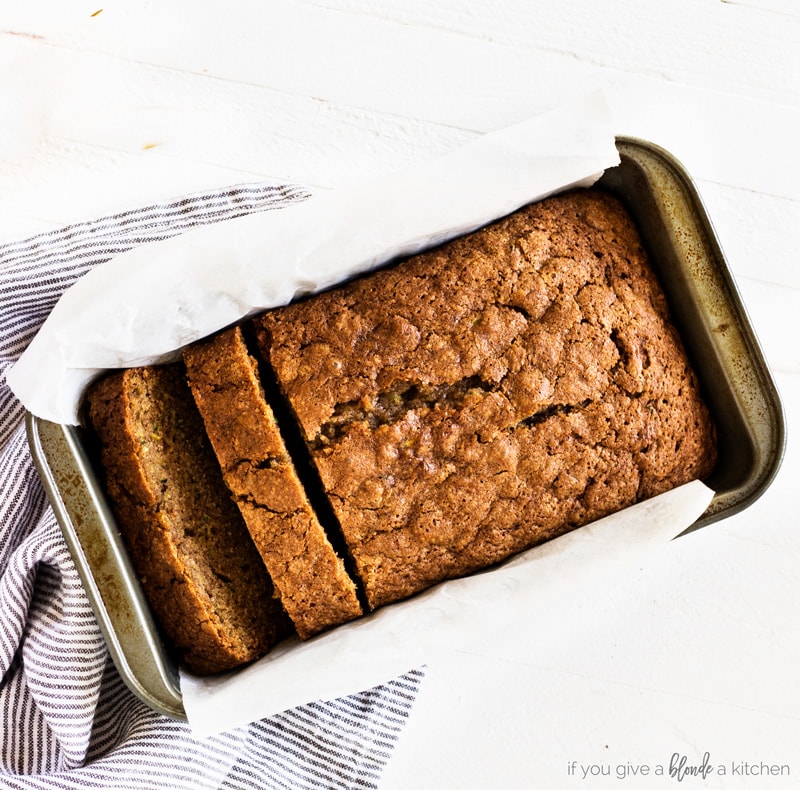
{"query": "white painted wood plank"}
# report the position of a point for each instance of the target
(709, 130)
(92, 133)
(757, 232)
(672, 41)
(718, 137)
(788, 8)
(701, 43)
(505, 725)
(256, 130)
(317, 82)
(772, 310)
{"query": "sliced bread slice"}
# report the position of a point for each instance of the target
(314, 586)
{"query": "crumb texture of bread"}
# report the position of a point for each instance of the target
(315, 589)
(200, 571)
(485, 396)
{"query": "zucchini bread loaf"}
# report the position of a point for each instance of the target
(448, 411)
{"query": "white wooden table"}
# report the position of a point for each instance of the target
(109, 106)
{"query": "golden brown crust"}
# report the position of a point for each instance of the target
(483, 397)
(314, 587)
(201, 574)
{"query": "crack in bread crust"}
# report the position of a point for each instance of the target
(389, 406)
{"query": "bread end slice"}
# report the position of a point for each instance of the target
(199, 568)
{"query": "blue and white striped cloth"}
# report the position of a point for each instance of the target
(68, 720)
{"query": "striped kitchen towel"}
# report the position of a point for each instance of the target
(68, 720)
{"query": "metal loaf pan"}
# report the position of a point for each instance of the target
(711, 319)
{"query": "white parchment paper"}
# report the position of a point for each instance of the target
(142, 305)
(448, 617)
